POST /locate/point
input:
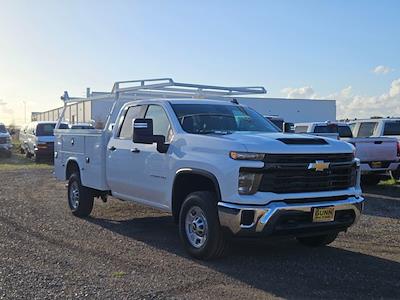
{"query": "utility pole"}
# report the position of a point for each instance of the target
(24, 111)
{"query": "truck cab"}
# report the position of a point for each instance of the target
(219, 167)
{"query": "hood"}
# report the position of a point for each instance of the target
(288, 143)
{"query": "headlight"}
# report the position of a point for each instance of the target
(248, 183)
(246, 155)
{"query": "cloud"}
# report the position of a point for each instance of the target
(305, 92)
(351, 105)
(4, 108)
(382, 70)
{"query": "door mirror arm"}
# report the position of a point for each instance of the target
(162, 147)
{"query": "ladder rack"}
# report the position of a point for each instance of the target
(161, 88)
(167, 88)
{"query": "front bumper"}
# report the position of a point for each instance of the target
(5, 147)
(366, 168)
(281, 218)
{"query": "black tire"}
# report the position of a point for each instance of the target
(80, 198)
(214, 242)
(370, 180)
(318, 240)
(28, 154)
(21, 150)
(396, 174)
(37, 158)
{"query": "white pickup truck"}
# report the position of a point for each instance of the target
(385, 127)
(220, 168)
(379, 156)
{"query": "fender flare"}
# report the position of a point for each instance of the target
(201, 172)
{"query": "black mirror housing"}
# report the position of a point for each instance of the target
(143, 131)
(143, 134)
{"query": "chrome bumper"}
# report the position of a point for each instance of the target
(266, 217)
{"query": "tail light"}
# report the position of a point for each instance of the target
(398, 148)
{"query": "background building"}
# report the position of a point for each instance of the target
(291, 110)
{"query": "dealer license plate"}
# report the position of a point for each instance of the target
(324, 214)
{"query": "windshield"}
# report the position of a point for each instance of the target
(3, 129)
(220, 119)
(392, 128)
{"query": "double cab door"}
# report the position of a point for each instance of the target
(138, 172)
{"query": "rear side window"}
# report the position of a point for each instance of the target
(345, 132)
(392, 128)
(367, 129)
(133, 113)
(324, 129)
(300, 129)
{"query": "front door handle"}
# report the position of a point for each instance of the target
(135, 150)
(112, 148)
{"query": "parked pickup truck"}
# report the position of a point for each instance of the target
(385, 127)
(5, 141)
(379, 156)
(219, 167)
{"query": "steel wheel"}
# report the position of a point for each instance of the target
(74, 195)
(196, 227)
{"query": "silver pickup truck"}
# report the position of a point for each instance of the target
(378, 155)
(5, 141)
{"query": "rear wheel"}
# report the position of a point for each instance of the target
(80, 198)
(318, 240)
(199, 226)
(370, 180)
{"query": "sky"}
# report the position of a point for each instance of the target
(343, 50)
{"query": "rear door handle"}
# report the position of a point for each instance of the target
(112, 148)
(135, 150)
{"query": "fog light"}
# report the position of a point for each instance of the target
(248, 183)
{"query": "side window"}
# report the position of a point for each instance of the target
(161, 125)
(300, 129)
(352, 127)
(127, 126)
(366, 129)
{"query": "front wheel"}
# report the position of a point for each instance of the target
(317, 241)
(80, 198)
(199, 226)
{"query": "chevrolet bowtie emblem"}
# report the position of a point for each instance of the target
(319, 166)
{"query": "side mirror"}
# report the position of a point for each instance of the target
(288, 127)
(143, 134)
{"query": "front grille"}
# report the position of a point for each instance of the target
(290, 174)
(3, 140)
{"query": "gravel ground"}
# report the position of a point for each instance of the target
(128, 251)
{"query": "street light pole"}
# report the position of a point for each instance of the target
(24, 111)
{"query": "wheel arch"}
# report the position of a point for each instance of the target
(188, 180)
(72, 166)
